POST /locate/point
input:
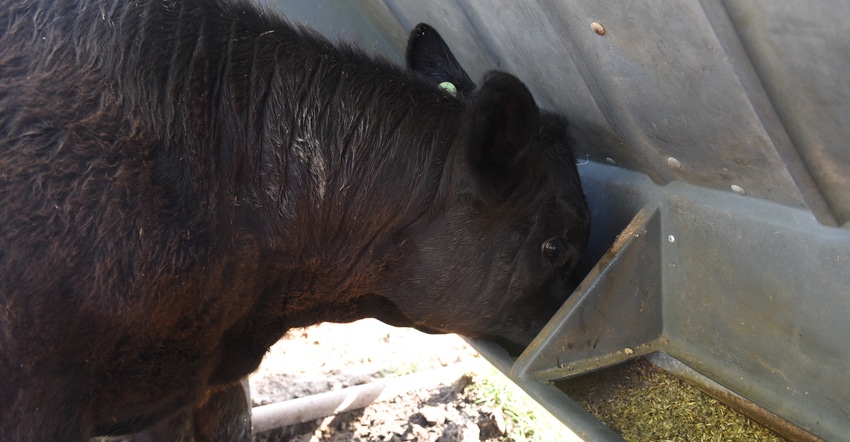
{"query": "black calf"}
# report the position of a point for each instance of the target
(181, 182)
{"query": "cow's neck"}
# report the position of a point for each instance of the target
(318, 154)
(354, 151)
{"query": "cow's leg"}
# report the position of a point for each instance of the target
(41, 414)
(225, 416)
(177, 428)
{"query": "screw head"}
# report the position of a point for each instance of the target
(597, 28)
(674, 163)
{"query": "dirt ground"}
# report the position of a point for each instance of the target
(637, 399)
(334, 356)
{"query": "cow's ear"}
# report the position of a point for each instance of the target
(430, 56)
(501, 124)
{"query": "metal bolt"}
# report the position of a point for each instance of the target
(738, 189)
(597, 28)
(674, 163)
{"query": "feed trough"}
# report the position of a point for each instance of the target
(712, 143)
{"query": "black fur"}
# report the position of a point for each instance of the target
(181, 182)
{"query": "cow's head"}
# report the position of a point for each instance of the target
(498, 258)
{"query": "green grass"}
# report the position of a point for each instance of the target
(400, 370)
(525, 419)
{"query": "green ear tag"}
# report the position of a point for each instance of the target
(448, 87)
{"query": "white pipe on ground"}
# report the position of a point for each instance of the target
(309, 408)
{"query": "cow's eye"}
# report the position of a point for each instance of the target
(555, 250)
